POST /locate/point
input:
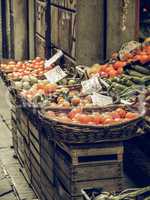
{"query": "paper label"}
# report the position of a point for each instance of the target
(101, 100)
(128, 47)
(55, 74)
(91, 85)
(54, 58)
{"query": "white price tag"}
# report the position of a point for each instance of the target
(128, 47)
(55, 74)
(54, 58)
(101, 100)
(91, 85)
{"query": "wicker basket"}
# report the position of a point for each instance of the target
(77, 133)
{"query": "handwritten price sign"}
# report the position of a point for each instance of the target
(91, 85)
(55, 74)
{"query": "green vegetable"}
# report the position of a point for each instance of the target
(141, 69)
(26, 85)
(26, 79)
(33, 80)
(137, 80)
(118, 86)
(134, 73)
(18, 85)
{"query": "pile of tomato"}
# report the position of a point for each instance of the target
(20, 69)
(142, 55)
(77, 115)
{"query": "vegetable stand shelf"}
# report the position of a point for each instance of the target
(61, 158)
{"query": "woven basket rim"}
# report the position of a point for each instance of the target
(71, 124)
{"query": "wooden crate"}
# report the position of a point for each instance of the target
(20, 151)
(109, 184)
(14, 133)
(27, 166)
(34, 131)
(34, 141)
(47, 164)
(47, 187)
(14, 140)
(98, 165)
(47, 153)
(35, 158)
(36, 187)
(24, 127)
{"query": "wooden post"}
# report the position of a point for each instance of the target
(20, 29)
(8, 27)
(31, 21)
(0, 30)
(90, 32)
(116, 37)
(4, 30)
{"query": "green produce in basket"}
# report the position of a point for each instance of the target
(134, 73)
(141, 69)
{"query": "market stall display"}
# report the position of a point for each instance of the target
(63, 119)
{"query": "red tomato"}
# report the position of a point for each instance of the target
(12, 63)
(19, 62)
(73, 112)
(110, 67)
(97, 118)
(136, 57)
(130, 115)
(26, 72)
(112, 73)
(103, 67)
(38, 58)
(120, 71)
(114, 115)
(108, 120)
(104, 74)
(144, 59)
(34, 61)
(83, 118)
(119, 64)
(40, 86)
(117, 120)
(41, 62)
(121, 112)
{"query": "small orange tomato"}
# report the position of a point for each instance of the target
(38, 59)
(75, 101)
(119, 64)
(51, 113)
(73, 112)
(108, 120)
(114, 114)
(120, 71)
(121, 112)
(112, 73)
(103, 67)
(130, 115)
(97, 118)
(11, 63)
(144, 59)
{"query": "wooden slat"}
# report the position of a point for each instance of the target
(63, 30)
(20, 29)
(40, 17)
(107, 184)
(90, 32)
(115, 37)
